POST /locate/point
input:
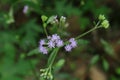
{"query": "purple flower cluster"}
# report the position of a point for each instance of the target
(72, 45)
(55, 41)
(52, 42)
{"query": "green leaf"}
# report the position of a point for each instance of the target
(9, 17)
(94, 59)
(35, 51)
(105, 65)
(108, 48)
(59, 64)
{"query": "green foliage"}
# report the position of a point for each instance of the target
(52, 57)
(94, 59)
(20, 33)
(118, 70)
(105, 65)
(108, 48)
(59, 65)
(33, 52)
(9, 17)
(61, 8)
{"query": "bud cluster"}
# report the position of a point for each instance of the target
(46, 74)
(105, 22)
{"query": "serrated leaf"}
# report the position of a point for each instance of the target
(105, 65)
(94, 59)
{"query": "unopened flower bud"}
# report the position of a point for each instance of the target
(105, 23)
(101, 17)
(63, 19)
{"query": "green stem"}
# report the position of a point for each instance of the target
(86, 33)
(96, 27)
(52, 57)
(45, 31)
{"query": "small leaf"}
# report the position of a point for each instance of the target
(9, 17)
(59, 64)
(94, 59)
(105, 65)
(35, 51)
(44, 18)
(108, 48)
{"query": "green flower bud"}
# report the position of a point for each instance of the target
(105, 23)
(42, 70)
(51, 77)
(44, 18)
(62, 19)
(101, 17)
(42, 74)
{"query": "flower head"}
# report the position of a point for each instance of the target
(43, 50)
(59, 43)
(68, 48)
(51, 44)
(73, 43)
(55, 37)
(42, 42)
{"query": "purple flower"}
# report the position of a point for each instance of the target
(73, 43)
(43, 50)
(25, 9)
(42, 42)
(68, 48)
(55, 37)
(49, 37)
(51, 44)
(59, 43)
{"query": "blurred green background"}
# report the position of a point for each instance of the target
(97, 57)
